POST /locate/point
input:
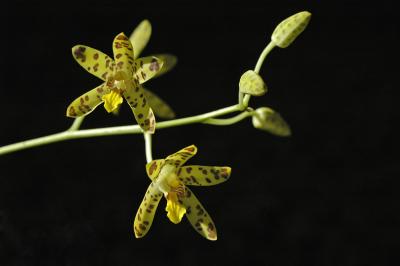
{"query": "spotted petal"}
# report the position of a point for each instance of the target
(123, 57)
(198, 216)
(197, 175)
(180, 157)
(153, 168)
(93, 61)
(134, 95)
(87, 102)
(145, 215)
(159, 106)
(169, 63)
(147, 67)
(140, 36)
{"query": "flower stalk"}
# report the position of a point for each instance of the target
(75, 133)
(148, 147)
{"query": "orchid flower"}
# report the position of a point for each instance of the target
(122, 79)
(170, 178)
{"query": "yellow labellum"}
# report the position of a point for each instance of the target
(175, 210)
(112, 100)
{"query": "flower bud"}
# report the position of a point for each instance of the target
(251, 83)
(288, 30)
(268, 120)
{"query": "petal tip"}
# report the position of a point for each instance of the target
(192, 149)
(71, 112)
(227, 171)
(212, 234)
(78, 52)
(146, 22)
(121, 36)
(138, 233)
(213, 238)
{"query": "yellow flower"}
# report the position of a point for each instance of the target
(122, 79)
(170, 178)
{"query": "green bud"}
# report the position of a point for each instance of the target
(268, 120)
(251, 83)
(288, 30)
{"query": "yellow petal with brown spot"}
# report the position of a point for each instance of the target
(145, 215)
(181, 157)
(198, 216)
(153, 168)
(123, 57)
(136, 99)
(93, 61)
(87, 102)
(198, 175)
(140, 37)
(146, 67)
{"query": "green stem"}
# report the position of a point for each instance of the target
(246, 100)
(198, 118)
(263, 55)
(241, 96)
(111, 131)
(147, 141)
(76, 124)
(228, 121)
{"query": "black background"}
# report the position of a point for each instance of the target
(325, 196)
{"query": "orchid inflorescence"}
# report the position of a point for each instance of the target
(123, 76)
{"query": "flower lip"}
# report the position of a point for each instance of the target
(175, 209)
(112, 100)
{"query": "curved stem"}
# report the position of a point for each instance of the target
(198, 118)
(147, 141)
(246, 100)
(263, 55)
(228, 121)
(111, 131)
